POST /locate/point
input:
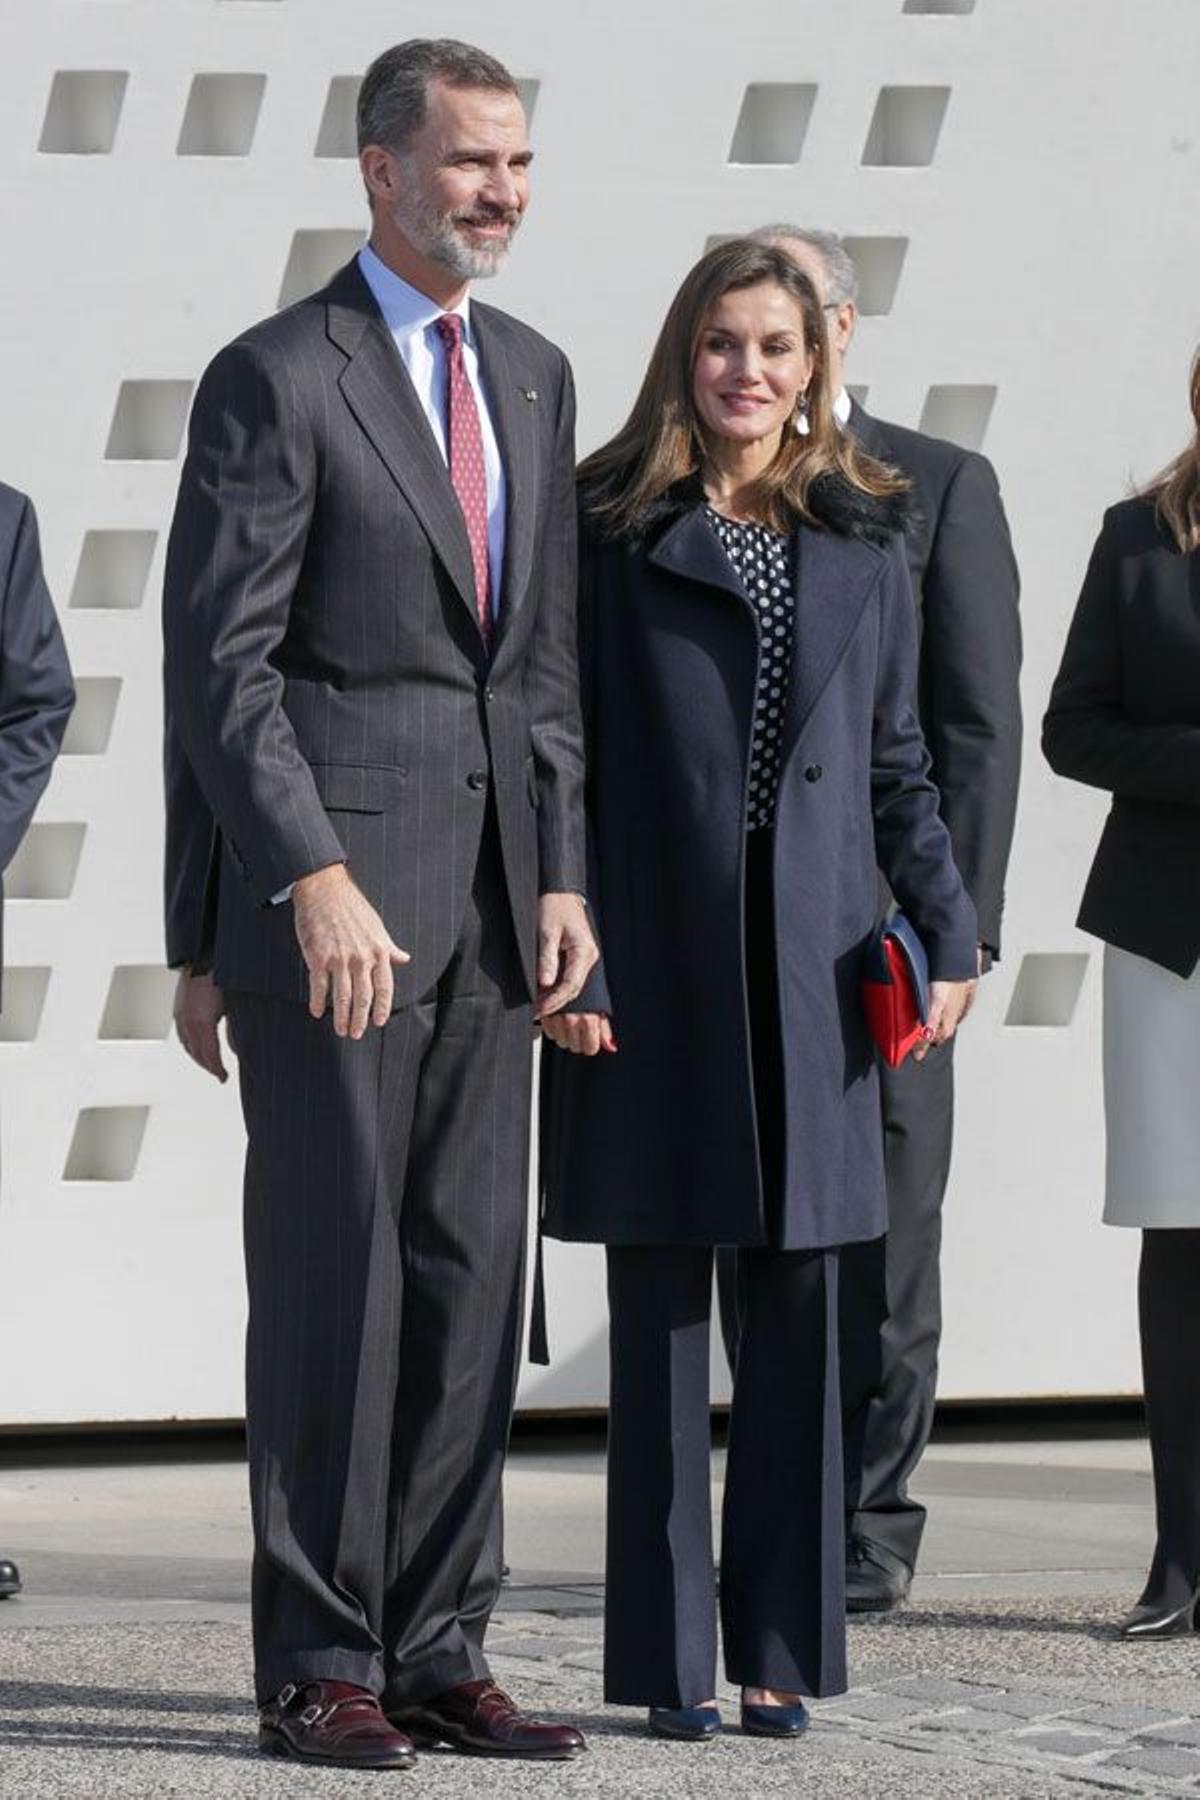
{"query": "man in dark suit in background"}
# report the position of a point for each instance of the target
(966, 586)
(374, 776)
(36, 697)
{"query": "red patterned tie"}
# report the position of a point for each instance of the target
(468, 472)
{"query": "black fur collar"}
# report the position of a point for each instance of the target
(836, 504)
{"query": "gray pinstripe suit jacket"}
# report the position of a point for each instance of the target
(328, 692)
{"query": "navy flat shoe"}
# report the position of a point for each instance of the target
(690, 1724)
(774, 1721)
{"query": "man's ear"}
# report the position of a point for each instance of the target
(378, 171)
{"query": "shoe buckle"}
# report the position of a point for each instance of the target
(310, 1715)
(287, 1694)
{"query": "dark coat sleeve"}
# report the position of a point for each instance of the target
(233, 559)
(552, 674)
(1086, 734)
(594, 995)
(191, 864)
(970, 675)
(36, 694)
(912, 845)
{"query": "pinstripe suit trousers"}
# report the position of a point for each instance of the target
(385, 1200)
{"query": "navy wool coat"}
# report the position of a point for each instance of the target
(657, 1144)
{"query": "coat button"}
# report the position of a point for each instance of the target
(813, 772)
(489, 694)
(477, 780)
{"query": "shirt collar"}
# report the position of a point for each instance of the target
(841, 408)
(406, 310)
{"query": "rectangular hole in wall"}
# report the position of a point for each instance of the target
(46, 864)
(1047, 988)
(314, 257)
(879, 262)
(773, 122)
(960, 412)
(90, 725)
(221, 116)
(139, 1003)
(114, 567)
(106, 1143)
(22, 1005)
(148, 421)
(83, 112)
(905, 127)
(528, 88)
(337, 134)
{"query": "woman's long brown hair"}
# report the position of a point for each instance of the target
(662, 441)
(1176, 492)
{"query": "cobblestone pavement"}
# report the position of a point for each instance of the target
(1027, 1698)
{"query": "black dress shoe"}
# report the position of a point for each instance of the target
(479, 1717)
(1154, 1619)
(877, 1580)
(688, 1724)
(774, 1721)
(10, 1579)
(334, 1723)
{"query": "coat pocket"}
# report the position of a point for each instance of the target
(348, 787)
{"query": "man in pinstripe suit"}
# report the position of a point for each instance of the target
(374, 776)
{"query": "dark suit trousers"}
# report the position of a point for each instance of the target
(782, 1597)
(386, 1185)
(891, 1311)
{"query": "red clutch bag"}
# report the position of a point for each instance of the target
(895, 989)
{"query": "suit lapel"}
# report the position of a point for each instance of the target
(379, 392)
(867, 432)
(515, 419)
(834, 578)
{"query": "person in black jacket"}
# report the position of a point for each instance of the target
(748, 654)
(964, 578)
(1124, 715)
(36, 697)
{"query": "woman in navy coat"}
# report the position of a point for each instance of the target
(748, 660)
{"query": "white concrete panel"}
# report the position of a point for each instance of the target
(1051, 256)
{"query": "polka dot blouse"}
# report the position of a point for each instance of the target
(761, 558)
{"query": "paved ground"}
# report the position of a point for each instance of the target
(124, 1670)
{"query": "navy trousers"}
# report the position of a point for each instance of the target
(782, 1592)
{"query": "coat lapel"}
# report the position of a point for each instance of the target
(514, 415)
(690, 547)
(380, 394)
(834, 577)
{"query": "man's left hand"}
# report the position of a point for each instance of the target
(566, 951)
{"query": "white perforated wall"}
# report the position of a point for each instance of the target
(1020, 179)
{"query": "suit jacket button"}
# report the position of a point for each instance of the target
(477, 780)
(813, 772)
(489, 694)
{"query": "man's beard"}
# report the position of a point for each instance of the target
(436, 235)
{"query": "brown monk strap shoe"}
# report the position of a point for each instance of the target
(478, 1716)
(335, 1723)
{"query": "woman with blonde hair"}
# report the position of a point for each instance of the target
(748, 662)
(1124, 715)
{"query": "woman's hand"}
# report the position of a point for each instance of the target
(949, 1004)
(585, 1034)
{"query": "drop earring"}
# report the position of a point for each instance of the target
(802, 425)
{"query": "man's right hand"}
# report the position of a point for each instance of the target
(347, 950)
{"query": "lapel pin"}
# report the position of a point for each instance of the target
(530, 394)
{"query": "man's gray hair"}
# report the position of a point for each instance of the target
(393, 99)
(841, 274)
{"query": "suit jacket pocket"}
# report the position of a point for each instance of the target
(348, 787)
